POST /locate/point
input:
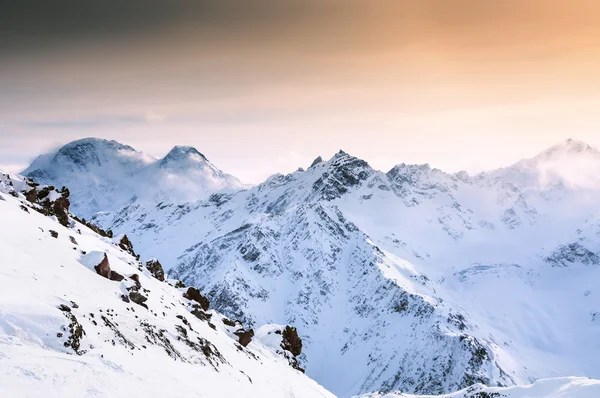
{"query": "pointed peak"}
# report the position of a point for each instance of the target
(315, 162)
(342, 155)
(569, 146)
(184, 157)
(183, 153)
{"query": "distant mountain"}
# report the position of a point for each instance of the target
(106, 175)
(560, 387)
(571, 164)
(80, 316)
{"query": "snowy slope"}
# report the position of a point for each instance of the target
(106, 175)
(565, 387)
(66, 331)
(425, 281)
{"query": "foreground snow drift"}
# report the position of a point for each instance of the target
(66, 331)
(562, 387)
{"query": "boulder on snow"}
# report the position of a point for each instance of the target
(98, 261)
(244, 336)
(194, 294)
(198, 313)
(156, 269)
(138, 298)
(136, 279)
(126, 245)
(104, 267)
(115, 276)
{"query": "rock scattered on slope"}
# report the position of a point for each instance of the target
(245, 336)
(156, 269)
(194, 295)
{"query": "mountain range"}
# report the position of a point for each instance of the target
(106, 175)
(411, 280)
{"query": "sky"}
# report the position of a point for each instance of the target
(265, 86)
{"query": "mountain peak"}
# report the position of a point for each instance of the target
(185, 154)
(86, 152)
(570, 147)
(315, 162)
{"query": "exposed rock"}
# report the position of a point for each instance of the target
(136, 279)
(76, 333)
(203, 316)
(194, 294)
(104, 267)
(54, 234)
(31, 195)
(179, 285)
(73, 241)
(60, 209)
(126, 245)
(138, 298)
(291, 341)
(316, 162)
(115, 276)
(229, 322)
(125, 298)
(244, 336)
(156, 269)
(64, 308)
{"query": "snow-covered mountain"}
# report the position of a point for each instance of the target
(106, 175)
(80, 316)
(424, 281)
(560, 387)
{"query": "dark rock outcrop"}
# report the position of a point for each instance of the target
(126, 245)
(103, 268)
(138, 298)
(156, 269)
(244, 336)
(203, 316)
(291, 341)
(115, 276)
(194, 295)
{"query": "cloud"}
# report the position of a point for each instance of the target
(12, 167)
(95, 121)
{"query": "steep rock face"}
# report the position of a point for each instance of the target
(106, 175)
(339, 291)
(417, 276)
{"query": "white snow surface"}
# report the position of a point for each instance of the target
(105, 175)
(415, 279)
(127, 350)
(562, 387)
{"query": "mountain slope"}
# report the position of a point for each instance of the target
(67, 330)
(564, 387)
(424, 281)
(106, 175)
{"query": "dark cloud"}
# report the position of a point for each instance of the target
(30, 25)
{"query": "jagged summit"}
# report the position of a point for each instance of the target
(315, 162)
